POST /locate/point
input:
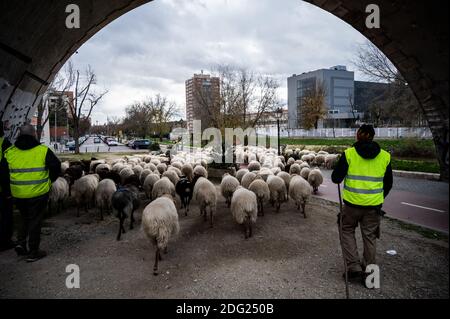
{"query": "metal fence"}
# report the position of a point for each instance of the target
(380, 132)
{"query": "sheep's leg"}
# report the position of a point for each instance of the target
(204, 214)
(155, 267)
(245, 230)
(250, 228)
(186, 206)
(278, 206)
(211, 216)
(303, 209)
(120, 229)
(131, 220)
(262, 207)
(101, 212)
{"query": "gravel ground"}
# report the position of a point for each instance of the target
(288, 257)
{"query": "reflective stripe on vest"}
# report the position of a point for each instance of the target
(28, 176)
(363, 184)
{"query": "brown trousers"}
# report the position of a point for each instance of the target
(369, 222)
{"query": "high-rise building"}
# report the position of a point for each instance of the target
(340, 89)
(202, 99)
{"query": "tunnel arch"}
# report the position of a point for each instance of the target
(35, 44)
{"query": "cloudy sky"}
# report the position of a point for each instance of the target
(156, 47)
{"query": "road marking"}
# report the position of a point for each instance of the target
(433, 209)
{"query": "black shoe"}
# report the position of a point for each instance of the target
(21, 251)
(353, 276)
(7, 246)
(36, 255)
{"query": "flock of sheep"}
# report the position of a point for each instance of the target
(171, 182)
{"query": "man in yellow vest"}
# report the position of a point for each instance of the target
(6, 214)
(367, 174)
(27, 171)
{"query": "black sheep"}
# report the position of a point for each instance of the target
(184, 189)
(125, 201)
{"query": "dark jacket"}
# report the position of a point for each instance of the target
(26, 142)
(368, 150)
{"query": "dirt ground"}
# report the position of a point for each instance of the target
(288, 257)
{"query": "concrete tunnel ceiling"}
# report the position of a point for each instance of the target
(35, 44)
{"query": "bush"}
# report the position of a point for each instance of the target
(154, 147)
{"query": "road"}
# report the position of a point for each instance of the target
(90, 147)
(415, 201)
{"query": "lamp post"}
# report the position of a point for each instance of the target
(278, 114)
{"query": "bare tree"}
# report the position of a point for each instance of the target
(138, 119)
(243, 99)
(161, 111)
(84, 101)
(313, 106)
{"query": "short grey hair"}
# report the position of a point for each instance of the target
(27, 129)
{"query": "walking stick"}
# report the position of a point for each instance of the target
(340, 239)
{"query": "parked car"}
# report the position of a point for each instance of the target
(111, 142)
(138, 144)
(71, 145)
(97, 140)
(130, 143)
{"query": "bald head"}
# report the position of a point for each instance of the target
(27, 129)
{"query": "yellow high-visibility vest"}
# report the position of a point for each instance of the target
(28, 175)
(363, 184)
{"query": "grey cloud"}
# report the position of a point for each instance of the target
(157, 46)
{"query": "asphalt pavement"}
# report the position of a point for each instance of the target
(417, 201)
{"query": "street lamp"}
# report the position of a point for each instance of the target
(278, 115)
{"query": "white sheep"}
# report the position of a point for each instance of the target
(172, 176)
(160, 223)
(206, 196)
(143, 175)
(247, 179)
(187, 171)
(264, 173)
(254, 166)
(64, 165)
(161, 168)
(103, 195)
(331, 160)
(295, 169)
(299, 191)
(240, 173)
(228, 186)
(125, 173)
(162, 187)
(149, 182)
(262, 192)
(200, 171)
(286, 178)
(305, 172)
(83, 190)
(278, 191)
(176, 170)
(315, 179)
(137, 170)
(58, 194)
(244, 208)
